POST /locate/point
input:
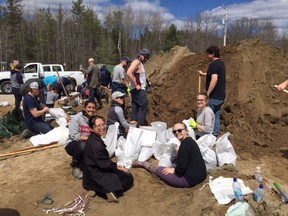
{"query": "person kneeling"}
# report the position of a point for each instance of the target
(100, 173)
(189, 168)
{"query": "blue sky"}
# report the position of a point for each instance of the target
(176, 11)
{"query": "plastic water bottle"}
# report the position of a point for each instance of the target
(237, 190)
(259, 194)
(259, 175)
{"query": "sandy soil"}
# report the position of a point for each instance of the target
(254, 112)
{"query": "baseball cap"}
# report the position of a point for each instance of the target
(145, 53)
(126, 59)
(34, 85)
(117, 94)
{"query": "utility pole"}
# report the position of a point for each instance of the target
(224, 22)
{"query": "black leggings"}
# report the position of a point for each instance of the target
(76, 149)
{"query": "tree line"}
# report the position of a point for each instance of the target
(70, 37)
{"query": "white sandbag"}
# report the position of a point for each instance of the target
(148, 137)
(225, 151)
(60, 116)
(145, 153)
(160, 128)
(130, 149)
(58, 134)
(158, 149)
(169, 153)
(190, 129)
(206, 140)
(111, 138)
(119, 152)
(209, 157)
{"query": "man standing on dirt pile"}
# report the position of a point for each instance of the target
(93, 81)
(137, 77)
(215, 84)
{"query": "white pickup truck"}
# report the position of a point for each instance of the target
(37, 70)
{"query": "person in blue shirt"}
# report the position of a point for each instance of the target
(34, 111)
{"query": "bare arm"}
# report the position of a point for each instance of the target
(214, 79)
(202, 73)
(132, 69)
(36, 113)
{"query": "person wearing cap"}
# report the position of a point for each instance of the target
(116, 114)
(41, 87)
(34, 110)
(118, 76)
(93, 81)
(137, 77)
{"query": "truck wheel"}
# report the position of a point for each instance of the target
(6, 87)
(71, 87)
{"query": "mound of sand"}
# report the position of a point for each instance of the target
(254, 112)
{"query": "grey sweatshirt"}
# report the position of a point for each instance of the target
(206, 118)
(77, 127)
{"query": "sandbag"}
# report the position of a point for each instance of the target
(111, 138)
(225, 151)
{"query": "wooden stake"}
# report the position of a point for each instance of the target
(199, 83)
(22, 151)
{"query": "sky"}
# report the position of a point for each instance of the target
(176, 11)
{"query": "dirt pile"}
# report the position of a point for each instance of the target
(254, 112)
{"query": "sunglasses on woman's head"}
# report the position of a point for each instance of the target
(179, 131)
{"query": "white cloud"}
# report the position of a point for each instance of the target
(274, 9)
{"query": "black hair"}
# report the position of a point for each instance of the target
(214, 50)
(93, 119)
(89, 101)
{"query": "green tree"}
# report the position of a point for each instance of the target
(171, 38)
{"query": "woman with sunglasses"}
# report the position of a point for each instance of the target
(101, 174)
(79, 132)
(205, 121)
(189, 168)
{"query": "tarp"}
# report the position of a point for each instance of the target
(11, 124)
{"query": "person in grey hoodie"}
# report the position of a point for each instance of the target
(79, 132)
(16, 79)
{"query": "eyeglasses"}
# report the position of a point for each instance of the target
(201, 100)
(100, 126)
(177, 131)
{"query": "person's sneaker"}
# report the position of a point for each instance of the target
(26, 134)
(77, 173)
(137, 164)
(111, 197)
(92, 193)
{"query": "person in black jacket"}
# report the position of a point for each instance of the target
(100, 173)
(189, 168)
(16, 79)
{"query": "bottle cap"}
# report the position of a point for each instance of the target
(258, 167)
(261, 186)
(234, 179)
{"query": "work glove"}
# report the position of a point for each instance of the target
(193, 124)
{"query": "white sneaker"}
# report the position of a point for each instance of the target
(111, 197)
(77, 173)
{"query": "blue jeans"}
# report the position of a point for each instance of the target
(215, 105)
(139, 106)
(41, 127)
